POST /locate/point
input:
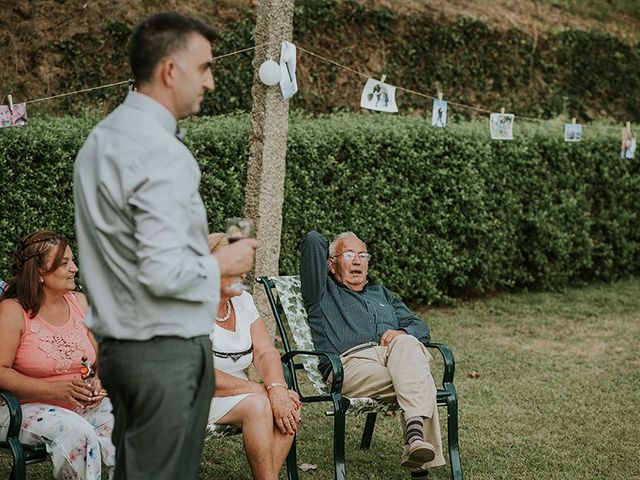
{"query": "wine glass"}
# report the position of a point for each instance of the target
(238, 228)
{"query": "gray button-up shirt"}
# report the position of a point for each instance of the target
(142, 228)
(341, 318)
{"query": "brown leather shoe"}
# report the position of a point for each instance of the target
(417, 454)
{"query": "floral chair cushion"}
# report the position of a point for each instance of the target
(218, 430)
(290, 295)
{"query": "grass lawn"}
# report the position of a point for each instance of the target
(558, 395)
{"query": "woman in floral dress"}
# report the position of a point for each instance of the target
(47, 359)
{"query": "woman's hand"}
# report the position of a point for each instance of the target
(295, 398)
(97, 393)
(285, 405)
(76, 392)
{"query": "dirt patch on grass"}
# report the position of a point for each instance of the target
(531, 16)
(41, 42)
(567, 338)
(29, 29)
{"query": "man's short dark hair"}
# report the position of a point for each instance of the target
(159, 36)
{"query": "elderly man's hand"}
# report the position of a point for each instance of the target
(389, 335)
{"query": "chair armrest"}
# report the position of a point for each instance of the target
(288, 374)
(449, 361)
(15, 413)
(334, 361)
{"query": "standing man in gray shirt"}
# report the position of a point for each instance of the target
(142, 231)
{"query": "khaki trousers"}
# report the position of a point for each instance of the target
(397, 373)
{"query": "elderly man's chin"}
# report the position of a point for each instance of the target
(356, 278)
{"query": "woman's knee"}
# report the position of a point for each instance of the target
(52, 422)
(81, 428)
(259, 405)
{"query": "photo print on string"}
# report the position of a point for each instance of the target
(628, 145)
(288, 80)
(572, 132)
(377, 95)
(13, 117)
(439, 113)
(501, 125)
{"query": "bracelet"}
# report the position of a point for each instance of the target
(276, 385)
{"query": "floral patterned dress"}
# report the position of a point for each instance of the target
(78, 439)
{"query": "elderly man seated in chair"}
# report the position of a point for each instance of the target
(379, 340)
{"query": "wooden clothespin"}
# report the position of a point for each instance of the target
(628, 126)
(439, 96)
(10, 99)
(383, 78)
(502, 111)
(573, 120)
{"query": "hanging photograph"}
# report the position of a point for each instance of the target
(288, 81)
(439, 113)
(15, 117)
(628, 147)
(378, 96)
(572, 132)
(501, 125)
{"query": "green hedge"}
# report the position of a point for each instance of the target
(446, 213)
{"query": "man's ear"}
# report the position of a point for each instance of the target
(166, 70)
(332, 266)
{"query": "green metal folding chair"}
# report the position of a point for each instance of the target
(285, 299)
(21, 453)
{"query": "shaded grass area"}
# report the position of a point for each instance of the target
(597, 9)
(558, 395)
(558, 386)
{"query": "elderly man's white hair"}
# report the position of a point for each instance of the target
(337, 239)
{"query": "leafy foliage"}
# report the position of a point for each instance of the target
(445, 212)
(575, 73)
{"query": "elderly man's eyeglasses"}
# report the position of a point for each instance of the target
(349, 255)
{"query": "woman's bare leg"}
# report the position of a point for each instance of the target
(281, 446)
(253, 414)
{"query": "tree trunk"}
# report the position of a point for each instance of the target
(264, 192)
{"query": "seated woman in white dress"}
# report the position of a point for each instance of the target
(268, 414)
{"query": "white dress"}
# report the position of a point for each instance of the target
(225, 341)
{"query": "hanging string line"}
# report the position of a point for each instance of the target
(242, 51)
(413, 92)
(424, 95)
(91, 89)
(325, 59)
(364, 75)
(334, 62)
(77, 91)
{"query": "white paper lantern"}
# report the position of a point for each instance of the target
(269, 72)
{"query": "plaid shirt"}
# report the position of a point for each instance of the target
(341, 318)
